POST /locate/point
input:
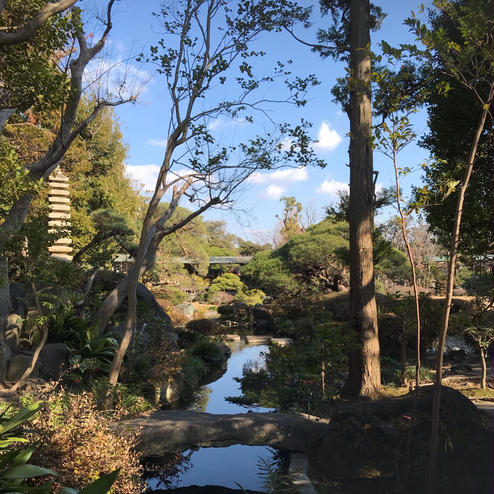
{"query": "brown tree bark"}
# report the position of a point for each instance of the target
(364, 376)
(483, 380)
(28, 30)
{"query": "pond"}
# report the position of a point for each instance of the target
(235, 467)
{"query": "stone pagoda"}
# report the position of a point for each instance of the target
(59, 216)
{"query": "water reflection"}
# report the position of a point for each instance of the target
(211, 398)
(236, 466)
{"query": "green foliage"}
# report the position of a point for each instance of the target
(391, 372)
(290, 218)
(250, 297)
(301, 376)
(219, 240)
(314, 260)
(459, 52)
(393, 266)
(88, 350)
(268, 271)
(189, 242)
(480, 285)
(14, 178)
(227, 282)
(247, 248)
(173, 294)
(28, 71)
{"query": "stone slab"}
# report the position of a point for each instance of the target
(58, 216)
(179, 430)
(59, 207)
(60, 249)
(258, 339)
(57, 178)
(62, 257)
(58, 200)
(63, 241)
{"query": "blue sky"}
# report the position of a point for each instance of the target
(144, 124)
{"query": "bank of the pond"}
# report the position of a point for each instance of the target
(235, 467)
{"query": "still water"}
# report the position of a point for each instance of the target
(236, 465)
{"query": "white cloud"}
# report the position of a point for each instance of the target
(327, 138)
(145, 175)
(273, 191)
(223, 122)
(161, 143)
(116, 78)
(332, 187)
(279, 176)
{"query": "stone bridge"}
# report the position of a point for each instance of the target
(179, 430)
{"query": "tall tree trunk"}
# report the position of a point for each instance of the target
(453, 254)
(129, 324)
(119, 293)
(364, 376)
(146, 253)
(483, 380)
(110, 305)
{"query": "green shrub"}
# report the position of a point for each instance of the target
(173, 295)
(88, 350)
(251, 297)
(227, 282)
(193, 369)
(207, 350)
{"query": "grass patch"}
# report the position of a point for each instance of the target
(391, 392)
(478, 393)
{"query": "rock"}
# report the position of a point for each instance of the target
(364, 436)
(172, 391)
(232, 337)
(5, 355)
(222, 298)
(144, 295)
(179, 430)
(281, 341)
(18, 298)
(53, 359)
(258, 339)
(13, 331)
(186, 309)
(224, 350)
(17, 366)
(14, 321)
(12, 339)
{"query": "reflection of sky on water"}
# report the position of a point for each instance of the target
(227, 467)
(236, 464)
(226, 386)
